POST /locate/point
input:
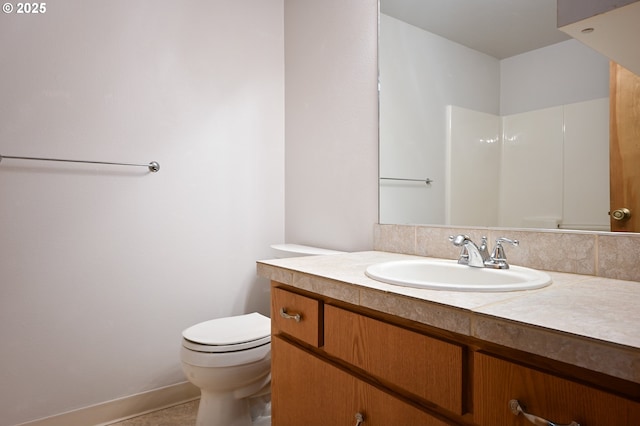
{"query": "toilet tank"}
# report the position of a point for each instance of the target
(296, 250)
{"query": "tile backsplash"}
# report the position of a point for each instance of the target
(604, 254)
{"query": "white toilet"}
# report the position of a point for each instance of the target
(229, 359)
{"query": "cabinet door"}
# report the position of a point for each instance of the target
(307, 390)
(558, 400)
(427, 367)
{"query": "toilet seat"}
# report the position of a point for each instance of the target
(225, 348)
(230, 334)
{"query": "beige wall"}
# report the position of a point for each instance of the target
(102, 267)
(331, 130)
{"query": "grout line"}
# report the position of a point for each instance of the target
(596, 255)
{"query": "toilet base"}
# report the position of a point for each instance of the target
(223, 409)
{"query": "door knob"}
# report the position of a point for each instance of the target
(621, 214)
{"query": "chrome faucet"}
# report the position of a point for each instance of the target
(478, 257)
(470, 253)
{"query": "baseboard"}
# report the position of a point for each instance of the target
(122, 408)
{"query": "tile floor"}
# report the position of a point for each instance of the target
(178, 415)
(185, 415)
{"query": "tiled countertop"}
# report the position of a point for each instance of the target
(583, 320)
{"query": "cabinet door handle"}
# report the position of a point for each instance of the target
(285, 315)
(538, 421)
(359, 419)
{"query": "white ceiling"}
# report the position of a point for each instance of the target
(500, 28)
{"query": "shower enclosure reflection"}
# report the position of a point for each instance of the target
(513, 141)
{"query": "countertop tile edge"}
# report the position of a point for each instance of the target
(608, 358)
(425, 312)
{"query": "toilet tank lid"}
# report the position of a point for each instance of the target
(289, 250)
(230, 330)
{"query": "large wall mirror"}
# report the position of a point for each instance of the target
(490, 116)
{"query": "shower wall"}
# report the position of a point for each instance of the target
(547, 168)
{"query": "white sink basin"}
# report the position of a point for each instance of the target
(442, 274)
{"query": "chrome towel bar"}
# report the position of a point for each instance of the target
(427, 180)
(153, 166)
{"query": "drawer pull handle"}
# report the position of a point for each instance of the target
(538, 421)
(285, 315)
(359, 419)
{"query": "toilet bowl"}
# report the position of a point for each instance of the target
(229, 359)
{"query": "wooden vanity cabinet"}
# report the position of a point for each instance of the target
(328, 365)
(335, 361)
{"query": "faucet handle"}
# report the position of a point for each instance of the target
(498, 257)
(501, 240)
(459, 241)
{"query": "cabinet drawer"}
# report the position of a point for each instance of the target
(296, 315)
(427, 367)
(555, 399)
(307, 390)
